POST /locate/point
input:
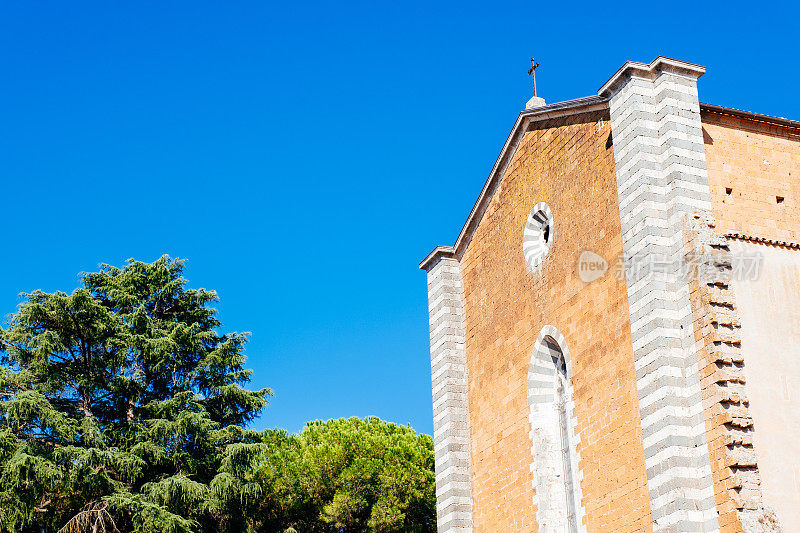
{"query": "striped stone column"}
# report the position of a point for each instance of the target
(449, 382)
(661, 179)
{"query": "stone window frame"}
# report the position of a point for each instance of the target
(534, 247)
(547, 451)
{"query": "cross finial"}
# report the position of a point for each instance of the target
(532, 72)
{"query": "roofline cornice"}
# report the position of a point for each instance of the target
(749, 115)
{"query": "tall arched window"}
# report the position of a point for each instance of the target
(555, 465)
(563, 397)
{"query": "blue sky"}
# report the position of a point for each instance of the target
(304, 156)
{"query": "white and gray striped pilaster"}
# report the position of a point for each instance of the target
(661, 179)
(449, 382)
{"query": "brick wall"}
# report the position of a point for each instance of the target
(757, 161)
(726, 395)
(750, 164)
(569, 164)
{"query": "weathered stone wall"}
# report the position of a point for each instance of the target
(569, 164)
(712, 272)
(754, 177)
(757, 162)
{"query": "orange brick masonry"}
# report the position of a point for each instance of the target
(569, 164)
(758, 163)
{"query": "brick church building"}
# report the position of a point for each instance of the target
(615, 334)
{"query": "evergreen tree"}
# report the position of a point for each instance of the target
(122, 407)
(349, 475)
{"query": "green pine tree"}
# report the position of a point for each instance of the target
(349, 475)
(122, 408)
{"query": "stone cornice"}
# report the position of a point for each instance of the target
(749, 115)
(438, 252)
(633, 69)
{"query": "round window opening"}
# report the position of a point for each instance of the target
(538, 236)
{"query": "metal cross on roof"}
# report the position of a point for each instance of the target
(532, 72)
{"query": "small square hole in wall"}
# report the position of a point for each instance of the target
(728, 191)
(779, 199)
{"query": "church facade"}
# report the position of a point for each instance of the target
(615, 334)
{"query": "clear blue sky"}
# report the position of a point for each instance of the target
(305, 156)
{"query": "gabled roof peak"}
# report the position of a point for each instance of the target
(573, 107)
(526, 117)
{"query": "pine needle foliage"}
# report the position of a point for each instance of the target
(119, 404)
(349, 475)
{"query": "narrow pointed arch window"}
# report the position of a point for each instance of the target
(562, 403)
(555, 465)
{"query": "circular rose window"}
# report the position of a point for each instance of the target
(538, 235)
